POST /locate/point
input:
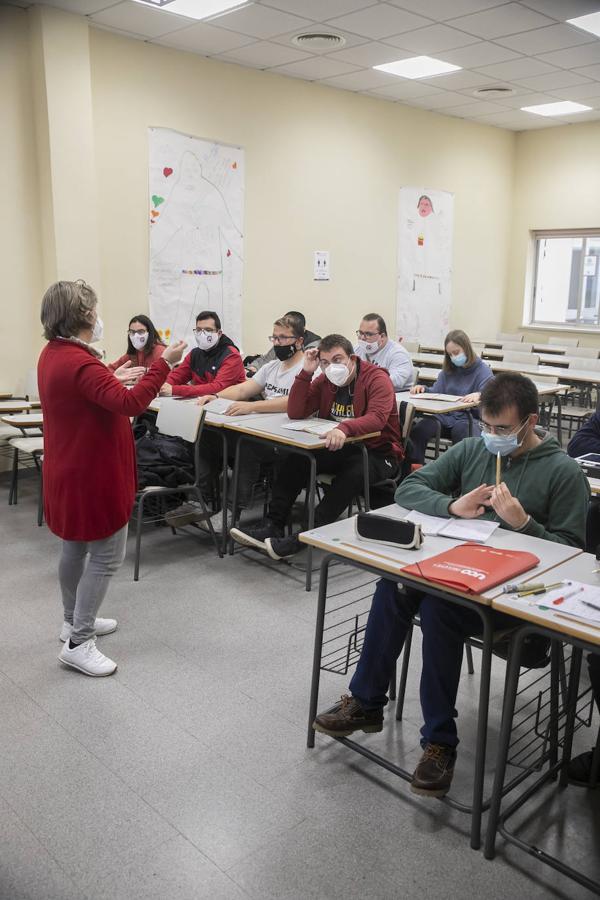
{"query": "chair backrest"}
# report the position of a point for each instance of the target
(517, 345)
(509, 336)
(180, 418)
(545, 379)
(583, 352)
(564, 342)
(411, 346)
(591, 365)
(409, 415)
(531, 359)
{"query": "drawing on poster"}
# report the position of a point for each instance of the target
(196, 191)
(424, 264)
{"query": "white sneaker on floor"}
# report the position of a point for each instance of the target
(87, 658)
(102, 626)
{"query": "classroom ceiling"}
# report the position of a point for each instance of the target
(525, 46)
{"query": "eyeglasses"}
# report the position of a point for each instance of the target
(338, 360)
(204, 330)
(281, 338)
(501, 430)
(133, 331)
(367, 334)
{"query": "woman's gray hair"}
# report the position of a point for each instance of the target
(66, 308)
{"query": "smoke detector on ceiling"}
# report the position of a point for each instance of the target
(494, 92)
(318, 41)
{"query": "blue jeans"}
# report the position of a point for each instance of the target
(444, 626)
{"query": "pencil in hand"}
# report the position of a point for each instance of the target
(498, 469)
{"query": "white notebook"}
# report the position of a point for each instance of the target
(311, 426)
(219, 405)
(459, 529)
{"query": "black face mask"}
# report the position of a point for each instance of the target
(283, 353)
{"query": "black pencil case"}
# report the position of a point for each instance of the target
(384, 530)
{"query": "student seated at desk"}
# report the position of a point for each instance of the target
(587, 440)
(542, 493)
(273, 383)
(212, 366)
(361, 399)
(254, 363)
(376, 347)
(144, 347)
(463, 374)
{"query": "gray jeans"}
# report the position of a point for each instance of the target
(84, 582)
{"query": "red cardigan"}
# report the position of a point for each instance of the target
(186, 383)
(90, 476)
(139, 358)
(374, 403)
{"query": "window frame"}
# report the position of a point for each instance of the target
(545, 325)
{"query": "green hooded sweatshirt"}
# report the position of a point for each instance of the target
(550, 486)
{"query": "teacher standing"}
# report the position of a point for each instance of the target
(89, 462)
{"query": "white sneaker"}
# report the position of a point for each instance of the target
(87, 659)
(101, 626)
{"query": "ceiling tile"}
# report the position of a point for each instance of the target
(575, 57)
(559, 79)
(518, 69)
(516, 121)
(507, 19)
(563, 9)
(318, 10)
(441, 10)
(475, 109)
(592, 72)
(482, 54)
(545, 40)
(578, 92)
(205, 39)
(404, 90)
(316, 68)
(432, 39)
(351, 40)
(525, 99)
(438, 101)
(372, 53)
(264, 55)
(363, 80)
(379, 21)
(459, 81)
(144, 20)
(81, 7)
(576, 118)
(259, 21)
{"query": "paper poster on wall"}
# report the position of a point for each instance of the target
(426, 220)
(196, 233)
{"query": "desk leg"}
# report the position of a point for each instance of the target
(318, 648)
(312, 490)
(235, 490)
(366, 485)
(224, 490)
(559, 419)
(508, 708)
(482, 725)
(571, 713)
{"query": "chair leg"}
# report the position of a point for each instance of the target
(40, 512)
(211, 530)
(404, 674)
(469, 654)
(392, 688)
(139, 509)
(12, 494)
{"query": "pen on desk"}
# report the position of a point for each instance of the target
(592, 604)
(498, 468)
(566, 596)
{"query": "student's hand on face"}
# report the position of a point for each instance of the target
(174, 352)
(206, 399)
(241, 408)
(417, 389)
(166, 390)
(310, 362)
(473, 504)
(471, 398)
(335, 439)
(507, 507)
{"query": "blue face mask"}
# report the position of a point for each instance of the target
(459, 360)
(504, 444)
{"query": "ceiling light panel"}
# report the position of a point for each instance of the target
(418, 67)
(562, 108)
(589, 23)
(194, 9)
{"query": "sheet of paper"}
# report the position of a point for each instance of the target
(458, 529)
(218, 406)
(449, 398)
(429, 524)
(574, 599)
(312, 426)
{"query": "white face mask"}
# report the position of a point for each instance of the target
(369, 346)
(207, 341)
(139, 341)
(97, 331)
(338, 373)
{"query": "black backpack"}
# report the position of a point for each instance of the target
(163, 460)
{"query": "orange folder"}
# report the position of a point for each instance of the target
(473, 568)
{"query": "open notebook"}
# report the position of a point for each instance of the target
(311, 426)
(475, 530)
(449, 398)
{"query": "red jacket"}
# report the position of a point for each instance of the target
(374, 403)
(139, 358)
(208, 373)
(90, 473)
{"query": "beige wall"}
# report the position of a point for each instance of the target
(19, 222)
(557, 185)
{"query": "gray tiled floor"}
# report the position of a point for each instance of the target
(186, 774)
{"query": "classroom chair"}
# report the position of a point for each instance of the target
(183, 420)
(411, 346)
(582, 353)
(564, 342)
(509, 336)
(519, 346)
(532, 359)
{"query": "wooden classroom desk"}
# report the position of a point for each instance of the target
(427, 359)
(270, 430)
(432, 407)
(582, 637)
(582, 376)
(23, 421)
(14, 406)
(339, 542)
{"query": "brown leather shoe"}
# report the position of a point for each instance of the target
(348, 716)
(433, 775)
